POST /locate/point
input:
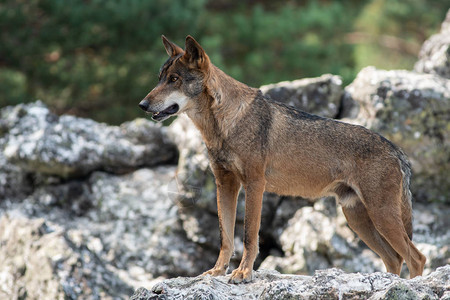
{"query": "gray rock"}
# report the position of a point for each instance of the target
(325, 284)
(434, 57)
(195, 183)
(194, 188)
(14, 183)
(413, 111)
(139, 226)
(41, 142)
(41, 261)
(316, 238)
(320, 96)
(349, 107)
(73, 197)
(127, 222)
(431, 234)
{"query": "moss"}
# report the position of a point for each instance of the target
(400, 292)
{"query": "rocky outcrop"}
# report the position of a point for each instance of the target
(97, 221)
(39, 141)
(41, 260)
(125, 228)
(413, 111)
(320, 96)
(143, 229)
(325, 284)
(434, 57)
(14, 182)
(318, 237)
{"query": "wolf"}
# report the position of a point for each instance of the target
(262, 145)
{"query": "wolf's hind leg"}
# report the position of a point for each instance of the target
(384, 207)
(360, 222)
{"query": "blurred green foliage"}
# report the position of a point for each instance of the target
(98, 58)
(395, 30)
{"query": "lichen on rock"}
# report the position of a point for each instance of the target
(325, 284)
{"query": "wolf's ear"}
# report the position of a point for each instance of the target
(194, 54)
(171, 48)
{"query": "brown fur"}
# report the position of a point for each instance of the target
(263, 145)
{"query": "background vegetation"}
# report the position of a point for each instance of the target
(98, 58)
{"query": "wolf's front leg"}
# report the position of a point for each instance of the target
(253, 203)
(227, 191)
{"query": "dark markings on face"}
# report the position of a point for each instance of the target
(165, 67)
(191, 80)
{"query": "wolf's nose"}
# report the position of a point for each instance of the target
(144, 105)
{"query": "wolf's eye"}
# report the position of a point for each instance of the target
(173, 78)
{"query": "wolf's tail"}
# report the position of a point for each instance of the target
(405, 167)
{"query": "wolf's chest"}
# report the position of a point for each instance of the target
(226, 159)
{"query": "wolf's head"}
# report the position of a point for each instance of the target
(181, 80)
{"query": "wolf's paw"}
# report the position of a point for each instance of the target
(215, 272)
(241, 275)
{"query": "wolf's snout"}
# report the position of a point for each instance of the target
(144, 104)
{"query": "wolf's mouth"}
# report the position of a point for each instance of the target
(164, 114)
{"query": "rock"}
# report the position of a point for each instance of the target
(134, 222)
(14, 183)
(194, 188)
(41, 261)
(413, 111)
(325, 284)
(73, 197)
(317, 238)
(195, 181)
(139, 226)
(127, 222)
(349, 107)
(431, 234)
(434, 57)
(38, 141)
(320, 96)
